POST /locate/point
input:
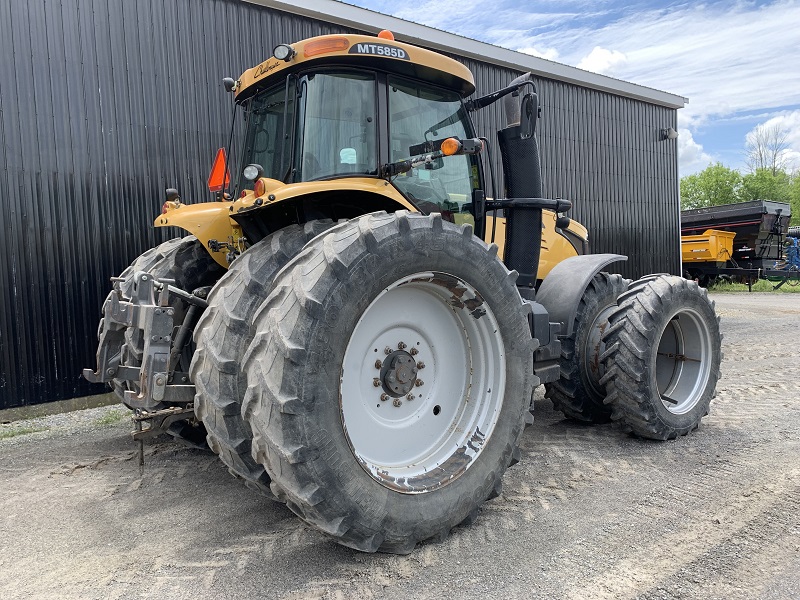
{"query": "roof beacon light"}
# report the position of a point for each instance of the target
(386, 35)
(283, 52)
(326, 44)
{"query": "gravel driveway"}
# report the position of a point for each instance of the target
(589, 512)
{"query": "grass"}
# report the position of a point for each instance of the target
(762, 285)
(111, 417)
(14, 432)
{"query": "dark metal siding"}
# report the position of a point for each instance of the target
(104, 103)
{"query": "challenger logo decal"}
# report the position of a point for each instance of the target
(379, 50)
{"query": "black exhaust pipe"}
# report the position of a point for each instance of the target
(523, 177)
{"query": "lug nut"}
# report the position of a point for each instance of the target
(420, 365)
(376, 382)
(414, 352)
(387, 351)
(397, 402)
(384, 397)
(378, 364)
(419, 382)
(410, 397)
(401, 346)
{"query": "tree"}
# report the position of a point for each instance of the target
(763, 184)
(714, 185)
(794, 197)
(766, 147)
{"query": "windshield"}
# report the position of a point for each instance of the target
(338, 121)
(265, 142)
(420, 113)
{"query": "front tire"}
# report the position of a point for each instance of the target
(384, 474)
(663, 357)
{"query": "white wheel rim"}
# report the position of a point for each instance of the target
(420, 444)
(683, 361)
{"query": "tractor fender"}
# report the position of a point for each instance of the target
(562, 289)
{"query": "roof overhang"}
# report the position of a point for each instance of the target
(346, 15)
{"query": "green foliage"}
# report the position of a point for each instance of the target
(715, 185)
(762, 285)
(794, 198)
(13, 431)
(111, 417)
(764, 185)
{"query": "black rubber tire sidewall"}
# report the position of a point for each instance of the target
(682, 424)
(632, 348)
(583, 402)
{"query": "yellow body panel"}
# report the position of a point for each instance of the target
(712, 246)
(206, 221)
(555, 247)
(212, 220)
(405, 54)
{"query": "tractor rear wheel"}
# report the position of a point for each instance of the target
(389, 380)
(223, 334)
(578, 393)
(662, 357)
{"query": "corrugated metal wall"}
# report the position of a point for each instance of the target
(104, 103)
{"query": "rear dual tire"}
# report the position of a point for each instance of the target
(222, 336)
(662, 357)
(578, 393)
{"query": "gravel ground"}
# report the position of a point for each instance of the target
(589, 512)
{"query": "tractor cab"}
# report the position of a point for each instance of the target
(354, 114)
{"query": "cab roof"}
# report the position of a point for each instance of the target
(361, 51)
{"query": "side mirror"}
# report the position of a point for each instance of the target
(172, 195)
(529, 113)
(229, 84)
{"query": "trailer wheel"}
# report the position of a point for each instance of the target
(223, 334)
(389, 380)
(578, 393)
(662, 357)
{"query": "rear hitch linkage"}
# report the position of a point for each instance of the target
(158, 384)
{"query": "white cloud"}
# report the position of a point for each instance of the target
(725, 57)
(603, 61)
(548, 53)
(691, 156)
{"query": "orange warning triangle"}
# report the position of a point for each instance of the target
(215, 180)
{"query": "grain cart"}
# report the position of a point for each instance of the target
(369, 323)
(747, 239)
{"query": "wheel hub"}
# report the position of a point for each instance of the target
(398, 373)
(422, 382)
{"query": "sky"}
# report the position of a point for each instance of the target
(738, 63)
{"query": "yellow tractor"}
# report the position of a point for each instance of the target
(360, 325)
